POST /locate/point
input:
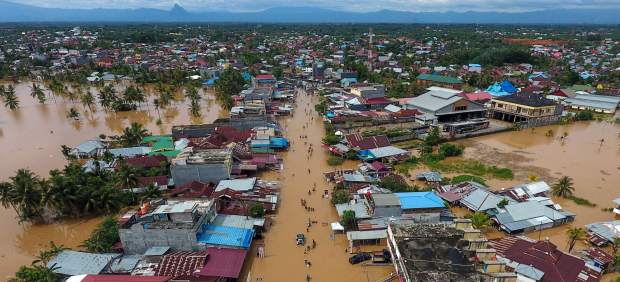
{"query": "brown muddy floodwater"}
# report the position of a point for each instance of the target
(284, 260)
(593, 165)
(31, 136)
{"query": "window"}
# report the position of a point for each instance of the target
(460, 108)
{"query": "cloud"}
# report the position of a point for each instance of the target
(346, 5)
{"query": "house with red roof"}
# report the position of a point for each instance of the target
(194, 189)
(358, 142)
(542, 261)
(223, 264)
(118, 278)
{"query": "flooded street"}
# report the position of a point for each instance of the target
(31, 136)
(284, 260)
(593, 165)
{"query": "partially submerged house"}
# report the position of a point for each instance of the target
(524, 107)
(445, 105)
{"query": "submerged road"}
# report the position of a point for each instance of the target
(304, 165)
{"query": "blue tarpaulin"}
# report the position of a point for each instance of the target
(278, 143)
(501, 89)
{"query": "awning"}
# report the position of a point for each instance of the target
(336, 226)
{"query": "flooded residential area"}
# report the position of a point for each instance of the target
(198, 152)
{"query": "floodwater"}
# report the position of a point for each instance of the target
(284, 261)
(589, 154)
(31, 136)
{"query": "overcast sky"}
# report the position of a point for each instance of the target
(348, 5)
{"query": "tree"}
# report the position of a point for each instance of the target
(37, 92)
(23, 193)
(575, 234)
(103, 238)
(433, 138)
(46, 255)
(10, 99)
(394, 185)
(37, 273)
(127, 176)
(257, 210)
(73, 113)
(194, 108)
(88, 100)
(133, 135)
(479, 220)
(230, 83)
(107, 96)
(150, 192)
(563, 188)
(340, 196)
(348, 219)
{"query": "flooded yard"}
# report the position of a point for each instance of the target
(590, 154)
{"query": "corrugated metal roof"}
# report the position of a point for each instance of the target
(223, 262)
(226, 236)
(387, 151)
(606, 229)
(76, 263)
(156, 251)
(366, 235)
(360, 207)
(420, 200)
(245, 184)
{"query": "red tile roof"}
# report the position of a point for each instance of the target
(194, 189)
(223, 262)
(148, 180)
(476, 96)
(356, 140)
(125, 278)
(544, 256)
(146, 161)
(377, 101)
(182, 264)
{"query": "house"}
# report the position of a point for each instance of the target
(383, 153)
(361, 207)
(223, 264)
(145, 162)
(524, 107)
(264, 81)
(527, 191)
(194, 189)
(482, 200)
(171, 223)
(529, 216)
(130, 152)
(426, 80)
(117, 278)
(225, 236)
(209, 165)
(367, 91)
(423, 204)
(445, 105)
(358, 142)
(595, 103)
(604, 232)
(87, 149)
(183, 265)
(542, 261)
(71, 263)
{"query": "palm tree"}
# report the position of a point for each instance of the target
(575, 234)
(133, 134)
(25, 193)
(151, 192)
(88, 100)
(479, 220)
(194, 108)
(563, 188)
(10, 99)
(46, 255)
(127, 176)
(107, 96)
(37, 92)
(73, 113)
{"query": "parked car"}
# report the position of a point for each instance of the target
(301, 239)
(359, 257)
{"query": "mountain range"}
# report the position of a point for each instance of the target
(15, 12)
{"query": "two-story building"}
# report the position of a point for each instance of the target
(524, 107)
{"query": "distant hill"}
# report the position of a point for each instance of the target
(14, 12)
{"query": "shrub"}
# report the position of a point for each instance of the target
(394, 185)
(340, 197)
(451, 150)
(103, 238)
(584, 115)
(466, 177)
(335, 161)
(257, 210)
(348, 218)
(331, 139)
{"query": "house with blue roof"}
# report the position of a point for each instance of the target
(420, 202)
(225, 236)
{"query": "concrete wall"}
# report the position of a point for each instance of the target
(136, 240)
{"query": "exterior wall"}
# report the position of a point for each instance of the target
(205, 173)
(532, 112)
(469, 106)
(386, 211)
(136, 240)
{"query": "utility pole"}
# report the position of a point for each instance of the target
(370, 36)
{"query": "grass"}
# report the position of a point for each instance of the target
(472, 167)
(408, 144)
(465, 177)
(582, 201)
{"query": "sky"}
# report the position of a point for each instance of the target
(347, 5)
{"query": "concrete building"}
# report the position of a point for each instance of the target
(443, 252)
(445, 105)
(525, 107)
(368, 91)
(386, 205)
(174, 224)
(204, 166)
